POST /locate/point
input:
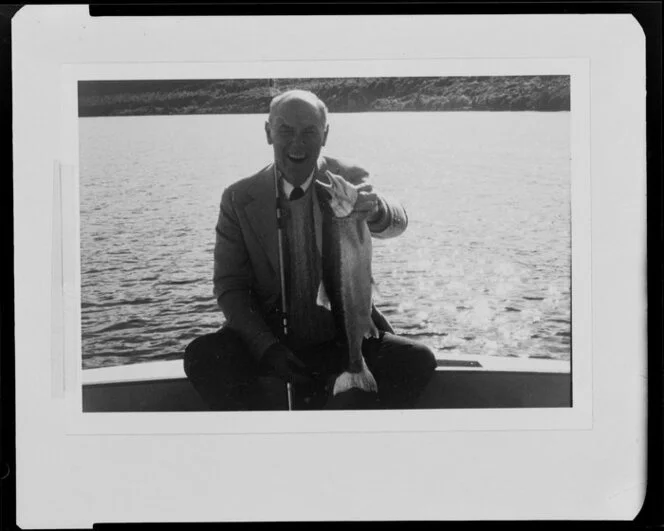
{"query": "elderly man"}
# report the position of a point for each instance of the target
(247, 363)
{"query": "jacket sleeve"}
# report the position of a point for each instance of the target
(391, 220)
(233, 280)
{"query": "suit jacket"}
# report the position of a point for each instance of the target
(246, 255)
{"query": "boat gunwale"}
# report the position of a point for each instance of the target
(173, 370)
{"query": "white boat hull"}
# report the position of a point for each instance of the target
(459, 382)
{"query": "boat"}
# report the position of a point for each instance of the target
(460, 381)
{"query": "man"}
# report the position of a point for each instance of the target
(246, 364)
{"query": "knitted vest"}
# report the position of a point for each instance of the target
(308, 323)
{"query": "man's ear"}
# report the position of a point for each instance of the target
(327, 130)
(268, 133)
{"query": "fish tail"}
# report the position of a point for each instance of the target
(362, 380)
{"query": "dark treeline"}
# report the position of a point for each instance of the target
(247, 96)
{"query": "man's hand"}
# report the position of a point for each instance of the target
(367, 202)
(279, 361)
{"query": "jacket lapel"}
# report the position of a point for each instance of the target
(262, 215)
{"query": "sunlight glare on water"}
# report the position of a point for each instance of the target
(484, 267)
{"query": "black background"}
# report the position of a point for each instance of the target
(648, 14)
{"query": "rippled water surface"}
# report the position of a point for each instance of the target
(484, 267)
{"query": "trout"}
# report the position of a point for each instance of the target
(346, 287)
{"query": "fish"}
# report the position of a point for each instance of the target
(347, 284)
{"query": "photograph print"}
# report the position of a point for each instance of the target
(395, 243)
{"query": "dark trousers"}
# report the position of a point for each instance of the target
(229, 378)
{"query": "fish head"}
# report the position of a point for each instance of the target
(340, 194)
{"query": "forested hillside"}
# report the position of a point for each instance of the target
(246, 96)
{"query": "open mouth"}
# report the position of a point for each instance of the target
(297, 158)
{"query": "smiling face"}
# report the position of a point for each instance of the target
(297, 132)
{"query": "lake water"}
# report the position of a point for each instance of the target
(484, 267)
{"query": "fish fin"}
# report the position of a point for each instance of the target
(375, 289)
(322, 299)
(325, 188)
(362, 380)
(372, 332)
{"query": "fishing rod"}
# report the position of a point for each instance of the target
(282, 276)
(273, 90)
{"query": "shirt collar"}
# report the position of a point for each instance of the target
(288, 187)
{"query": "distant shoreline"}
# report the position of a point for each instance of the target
(341, 95)
(156, 115)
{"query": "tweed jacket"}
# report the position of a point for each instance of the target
(246, 254)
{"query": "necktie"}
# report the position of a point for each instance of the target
(296, 193)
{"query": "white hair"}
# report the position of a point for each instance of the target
(304, 95)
